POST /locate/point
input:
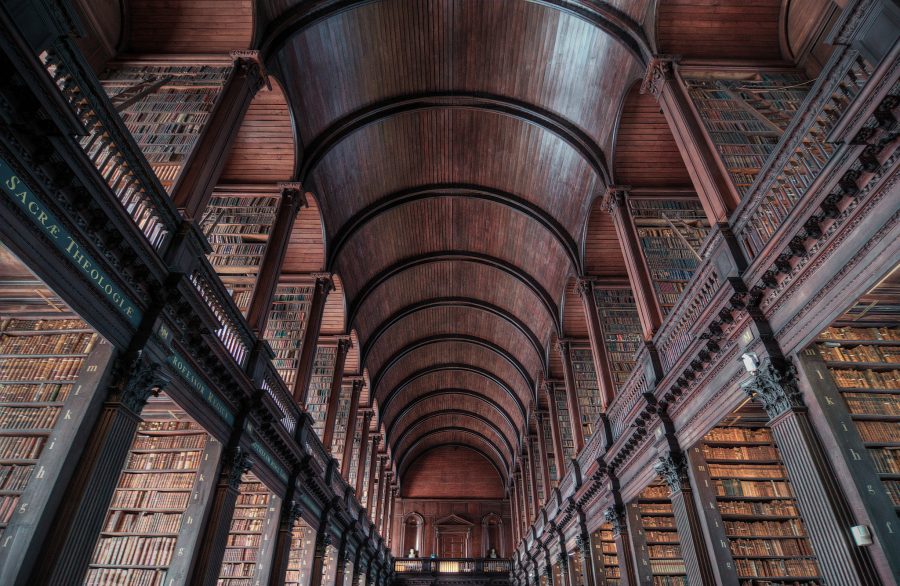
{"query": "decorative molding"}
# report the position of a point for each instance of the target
(614, 198)
(239, 461)
(673, 470)
(776, 388)
(144, 380)
(659, 71)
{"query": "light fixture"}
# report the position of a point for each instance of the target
(751, 362)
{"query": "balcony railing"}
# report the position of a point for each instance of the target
(452, 566)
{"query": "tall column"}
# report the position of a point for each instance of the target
(334, 394)
(290, 514)
(385, 502)
(214, 533)
(598, 342)
(323, 286)
(390, 531)
(292, 199)
(323, 540)
(826, 514)
(68, 548)
(542, 450)
(363, 450)
(614, 201)
(516, 512)
(571, 395)
(673, 470)
(714, 188)
(583, 543)
(347, 457)
(562, 560)
(207, 160)
(373, 462)
(341, 560)
(377, 506)
(532, 476)
(554, 431)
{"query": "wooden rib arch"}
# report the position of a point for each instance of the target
(463, 415)
(401, 458)
(477, 450)
(440, 190)
(344, 127)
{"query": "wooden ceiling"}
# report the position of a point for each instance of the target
(457, 150)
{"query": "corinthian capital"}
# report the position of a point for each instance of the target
(659, 70)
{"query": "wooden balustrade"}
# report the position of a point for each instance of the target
(452, 565)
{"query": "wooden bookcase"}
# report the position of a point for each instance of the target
(340, 424)
(564, 423)
(237, 226)
(746, 117)
(300, 556)
(587, 388)
(251, 540)
(671, 232)
(320, 386)
(551, 452)
(622, 332)
(762, 525)
(538, 474)
(606, 559)
(170, 465)
(286, 327)
(354, 453)
(655, 537)
(167, 121)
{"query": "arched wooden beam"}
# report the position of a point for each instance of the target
(480, 452)
(472, 394)
(440, 338)
(438, 190)
(598, 13)
(399, 315)
(432, 257)
(555, 124)
(452, 367)
(400, 458)
(410, 430)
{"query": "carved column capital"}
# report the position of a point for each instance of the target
(344, 343)
(615, 516)
(292, 514)
(249, 63)
(583, 543)
(293, 191)
(585, 288)
(673, 470)
(614, 198)
(239, 461)
(563, 560)
(659, 70)
(324, 283)
(774, 387)
(562, 346)
(143, 380)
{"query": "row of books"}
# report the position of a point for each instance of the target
(41, 325)
(787, 528)
(28, 417)
(141, 522)
(776, 508)
(664, 551)
(130, 74)
(861, 353)
(734, 487)
(770, 547)
(134, 551)
(667, 566)
(240, 554)
(776, 567)
(661, 536)
(14, 476)
(76, 343)
(658, 522)
(860, 333)
(670, 581)
(129, 576)
(887, 460)
(182, 460)
(191, 441)
(13, 447)
(738, 434)
(866, 378)
(39, 369)
(174, 480)
(737, 471)
(34, 392)
(145, 499)
(873, 404)
(878, 432)
(739, 452)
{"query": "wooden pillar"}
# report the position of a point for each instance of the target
(392, 509)
(673, 470)
(341, 560)
(386, 504)
(290, 514)
(207, 160)
(614, 202)
(532, 476)
(292, 199)
(323, 286)
(542, 450)
(826, 514)
(598, 343)
(68, 548)
(334, 394)
(571, 395)
(323, 540)
(554, 431)
(363, 450)
(712, 183)
(372, 463)
(347, 457)
(377, 507)
(516, 511)
(583, 542)
(562, 561)
(214, 532)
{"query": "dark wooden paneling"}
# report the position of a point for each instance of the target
(719, 29)
(452, 472)
(263, 150)
(189, 26)
(602, 252)
(646, 154)
(574, 321)
(435, 509)
(453, 437)
(306, 251)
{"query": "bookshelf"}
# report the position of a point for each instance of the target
(251, 539)
(671, 232)
(167, 121)
(538, 474)
(662, 550)
(606, 559)
(41, 362)
(367, 452)
(145, 523)
(237, 226)
(286, 327)
(565, 422)
(551, 452)
(586, 387)
(759, 514)
(354, 453)
(320, 386)
(622, 332)
(745, 118)
(300, 556)
(340, 424)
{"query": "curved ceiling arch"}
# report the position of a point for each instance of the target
(446, 338)
(435, 437)
(385, 403)
(546, 299)
(602, 15)
(425, 451)
(458, 418)
(472, 303)
(431, 397)
(571, 134)
(441, 190)
(422, 448)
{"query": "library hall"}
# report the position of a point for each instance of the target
(449, 293)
